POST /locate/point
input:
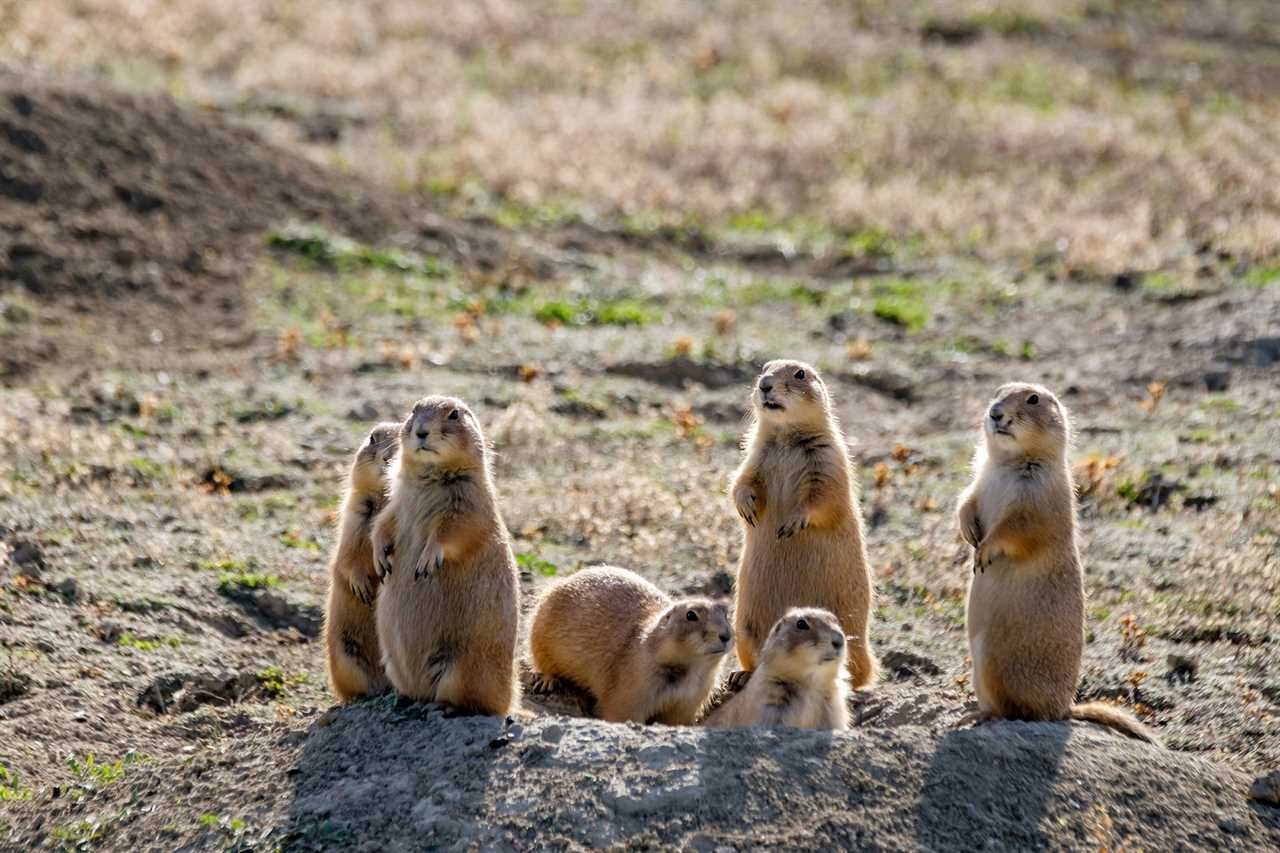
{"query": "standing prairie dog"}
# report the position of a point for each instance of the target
(801, 681)
(350, 635)
(448, 610)
(803, 527)
(1025, 613)
(641, 655)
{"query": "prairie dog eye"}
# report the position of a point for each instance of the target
(453, 416)
(802, 624)
(692, 616)
(800, 374)
(1033, 399)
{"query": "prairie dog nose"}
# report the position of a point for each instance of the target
(997, 414)
(766, 386)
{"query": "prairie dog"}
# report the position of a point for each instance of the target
(350, 635)
(448, 610)
(1025, 612)
(643, 656)
(795, 493)
(801, 681)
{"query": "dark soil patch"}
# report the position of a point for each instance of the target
(109, 194)
(132, 207)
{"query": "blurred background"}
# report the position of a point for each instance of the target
(233, 234)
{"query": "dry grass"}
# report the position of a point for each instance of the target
(1110, 136)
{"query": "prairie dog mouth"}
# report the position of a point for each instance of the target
(772, 406)
(718, 649)
(1002, 431)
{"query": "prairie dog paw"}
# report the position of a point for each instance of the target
(363, 587)
(431, 562)
(986, 556)
(747, 506)
(382, 562)
(793, 526)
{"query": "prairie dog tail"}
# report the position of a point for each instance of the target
(1116, 719)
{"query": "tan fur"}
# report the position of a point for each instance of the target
(795, 492)
(801, 681)
(448, 611)
(350, 634)
(1025, 613)
(615, 634)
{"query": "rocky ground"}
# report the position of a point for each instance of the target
(197, 326)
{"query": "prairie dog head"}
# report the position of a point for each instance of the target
(790, 392)
(693, 628)
(1025, 420)
(805, 643)
(440, 432)
(370, 464)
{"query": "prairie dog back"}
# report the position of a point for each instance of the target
(643, 656)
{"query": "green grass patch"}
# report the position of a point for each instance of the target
(274, 682)
(229, 825)
(230, 583)
(537, 565)
(585, 312)
(1262, 276)
(130, 641)
(760, 292)
(1130, 490)
(330, 250)
(1220, 405)
(80, 835)
(91, 773)
(905, 302)
(911, 314)
(871, 243)
(10, 789)
(1030, 84)
(293, 540)
(226, 564)
(145, 470)
(576, 312)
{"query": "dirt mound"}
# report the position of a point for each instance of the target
(568, 783)
(106, 194)
(376, 776)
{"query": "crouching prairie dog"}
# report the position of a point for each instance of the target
(643, 656)
(801, 680)
(350, 635)
(803, 528)
(1025, 612)
(447, 613)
